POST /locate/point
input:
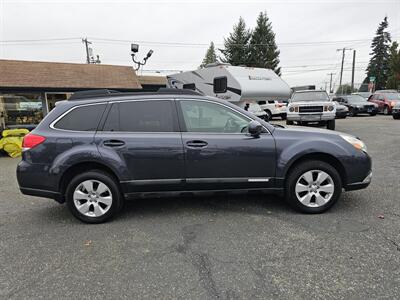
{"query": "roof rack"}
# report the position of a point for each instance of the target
(112, 93)
(92, 94)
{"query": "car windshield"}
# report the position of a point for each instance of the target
(355, 99)
(310, 96)
(393, 96)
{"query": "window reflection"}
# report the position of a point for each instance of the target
(21, 109)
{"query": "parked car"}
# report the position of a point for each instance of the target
(273, 108)
(96, 152)
(396, 111)
(357, 105)
(365, 95)
(311, 106)
(341, 110)
(386, 100)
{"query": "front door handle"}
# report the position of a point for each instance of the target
(113, 143)
(196, 144)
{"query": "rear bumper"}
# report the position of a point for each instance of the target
(42, 193)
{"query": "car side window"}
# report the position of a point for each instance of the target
(141, 116)
(203, 116)
(83, 118)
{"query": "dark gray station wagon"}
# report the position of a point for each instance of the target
(97, 150)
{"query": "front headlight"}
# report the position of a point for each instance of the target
(358, 144)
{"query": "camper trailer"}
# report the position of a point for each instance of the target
(243, 86)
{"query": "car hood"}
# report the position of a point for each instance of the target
(307, 130)
(310, 103)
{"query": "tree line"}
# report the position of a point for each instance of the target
(384, 63)
(250, 47)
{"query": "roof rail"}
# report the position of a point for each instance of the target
(92, 94)
(178, 91)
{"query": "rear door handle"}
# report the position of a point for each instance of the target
(196, 144)
(113, 143)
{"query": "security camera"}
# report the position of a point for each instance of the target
(149, 53)
(134, 48)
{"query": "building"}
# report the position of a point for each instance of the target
(152, 83)
(30, 89)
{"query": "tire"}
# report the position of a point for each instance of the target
(331, 124)
(105, 208)
(372, 114)
(315, 200)
(289, 122)
(283, 116)
(396, 117)
(386, 111)
(268, 116)
(352, 113)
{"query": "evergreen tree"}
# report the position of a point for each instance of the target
(210, 57)
(378, 66)
(264, 52)
(236, 50)
(394, 67)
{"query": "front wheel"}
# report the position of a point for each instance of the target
(372, 114)
(386, 111)
(289, 122)
(330, 124)
(268, 115)
(93, 197)
(283, 116)
(313, 186)
(396, 117)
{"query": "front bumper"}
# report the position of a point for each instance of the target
(310, 117)
(363, 110)
(360, 185)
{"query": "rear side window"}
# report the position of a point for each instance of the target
(141, 116)
(84, 118)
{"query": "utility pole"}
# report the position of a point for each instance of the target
(352, 70)
(89, 53)
(341, 69)
(330, 82)
(87, 43)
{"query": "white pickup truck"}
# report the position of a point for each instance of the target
(311, 106)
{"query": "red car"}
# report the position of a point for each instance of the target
(386, 100)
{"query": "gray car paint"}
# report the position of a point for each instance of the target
(162, 162)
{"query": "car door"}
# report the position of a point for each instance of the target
(142, 138)
(219, 153)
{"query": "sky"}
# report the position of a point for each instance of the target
(308, 33)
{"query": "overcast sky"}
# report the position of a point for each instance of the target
(307, 32)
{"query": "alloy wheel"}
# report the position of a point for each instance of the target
(314, 188)
(92, 198)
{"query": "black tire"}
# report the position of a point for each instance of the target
(268, 116)
(297, 171)
(352, 113)
(331, 124)
(372, 114)
(283, 116)
(396, 117)
(103, 177)
(386, 110)
(289, 122)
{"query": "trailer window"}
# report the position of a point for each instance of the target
(220, 84)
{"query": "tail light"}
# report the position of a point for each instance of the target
(393, 103)
(32, 140)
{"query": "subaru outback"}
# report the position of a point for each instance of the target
(97, 150)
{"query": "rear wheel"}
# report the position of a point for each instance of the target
(396, 116)
(283, 116)
(331, 124)
(93, 197)
(372, 114)
(268, 115)
(289, 122)
(313, 186)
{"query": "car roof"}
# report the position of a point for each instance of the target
(308, 91)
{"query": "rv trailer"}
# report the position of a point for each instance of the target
(243, 86)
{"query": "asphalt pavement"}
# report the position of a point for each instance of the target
(227, 247)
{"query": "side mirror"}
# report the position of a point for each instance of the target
(255, 128)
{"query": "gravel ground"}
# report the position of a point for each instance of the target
(237, 247)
